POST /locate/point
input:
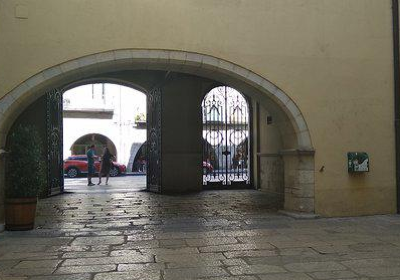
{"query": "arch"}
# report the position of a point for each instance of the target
(80, 145)
(297, 148)
(140, 157)
(67, 72)
(226, 124)
(104, 80)
(103, 123)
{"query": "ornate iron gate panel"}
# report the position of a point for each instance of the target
(225, 137)
(54, 123)
(154, 122)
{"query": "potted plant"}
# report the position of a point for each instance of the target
(25, 177)
(140, 120)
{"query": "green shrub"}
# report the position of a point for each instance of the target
(25, 166)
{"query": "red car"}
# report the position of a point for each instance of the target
(77, 164)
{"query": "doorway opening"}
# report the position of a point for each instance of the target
(108, 116)
(226, 132)
(139, 162)
(149, 71)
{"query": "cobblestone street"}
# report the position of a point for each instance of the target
(120, 234)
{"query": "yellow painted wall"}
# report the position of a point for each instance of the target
(332, 57)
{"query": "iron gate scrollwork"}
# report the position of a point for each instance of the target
(226, 130)
(54, 124)
(154, 122)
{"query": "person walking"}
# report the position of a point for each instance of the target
(90, 161)
(106, 163)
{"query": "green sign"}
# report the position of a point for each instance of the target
(358, 162)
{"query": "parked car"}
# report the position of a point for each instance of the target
(207, 168)
(77, 164)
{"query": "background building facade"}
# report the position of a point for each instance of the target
(107, 115)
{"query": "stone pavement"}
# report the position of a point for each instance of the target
(118, 184)
(224, 235)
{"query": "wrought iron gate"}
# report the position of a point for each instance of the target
(54, 123)
(154, 121)
(225, 137)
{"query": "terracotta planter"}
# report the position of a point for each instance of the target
(20, 213)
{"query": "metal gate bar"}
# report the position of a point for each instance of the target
(54, 124)
(225, 137)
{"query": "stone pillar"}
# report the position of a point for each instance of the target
(272, 178)
(299, 177)
(182, 134)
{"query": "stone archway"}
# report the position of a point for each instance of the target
(138, 157)
(153, 59)
(297, 151)
(101, 141)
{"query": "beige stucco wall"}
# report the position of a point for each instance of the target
(333, 58)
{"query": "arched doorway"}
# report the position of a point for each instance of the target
(80, 146)
(226, 130)
(139, 163)
(296, 148)
(102, 113)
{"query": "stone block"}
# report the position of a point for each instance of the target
(209, 62)
(285, 276)
(293, 203)
(85, 276)
(306, 163)
(5, 103)
(85, 269)
(130, 275)
(70, 66)
(303, 139)
(197, 242)
(190, 257)
(303, 191)
(109, 260)
(38, 263)
(123, 54)
(277, 93)
(193, 273)
(249, 253)
(88, 60)
(111, 240)
(255, 269)
(225, 66)
(52, 72)
(177, 57)
(314, 266)
(300, 123)
(345, 274)
(256, 79)
(141, 266)
(20, 90)
(231, 247)
(243, 73)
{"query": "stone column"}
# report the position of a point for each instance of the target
(299, 177)
(272, 177)
(182, 134)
